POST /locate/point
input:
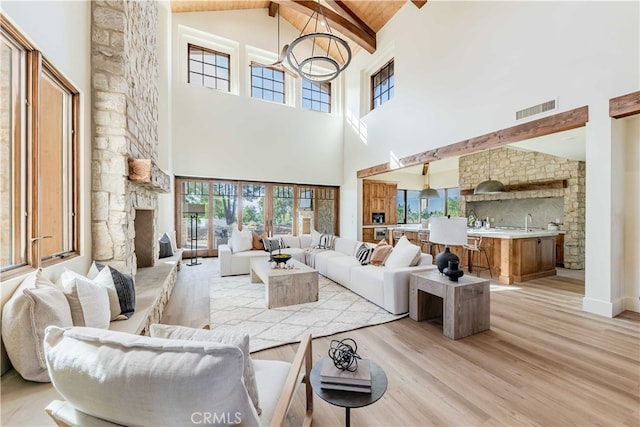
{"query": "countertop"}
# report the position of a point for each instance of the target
(496, 233)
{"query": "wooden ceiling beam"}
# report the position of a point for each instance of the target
(419, 3)
(273, 9)
(344, 11)
(339, 23)
(625, 105)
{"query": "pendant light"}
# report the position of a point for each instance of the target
(427, 192)
(490, 186)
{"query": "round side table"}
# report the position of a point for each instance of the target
(350, 399)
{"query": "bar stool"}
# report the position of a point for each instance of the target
(397, 234)
(474, 245)
(423, 237)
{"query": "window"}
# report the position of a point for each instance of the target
(382, 85)
(316, 96)
(408, 206)
(38, 147)
(267, 83)
(447, 204)
(209, 68)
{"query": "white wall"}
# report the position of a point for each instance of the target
(61, 31)
(462, 69)
(631, 274)
(224, 135)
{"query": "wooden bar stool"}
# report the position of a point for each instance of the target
(397, 234)
(474, 245)
(423, 237)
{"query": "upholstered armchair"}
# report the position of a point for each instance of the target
(178, 376)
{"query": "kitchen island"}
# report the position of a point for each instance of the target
(514, 255)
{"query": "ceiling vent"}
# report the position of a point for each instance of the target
(537, 109)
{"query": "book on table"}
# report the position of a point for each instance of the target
(337, 379)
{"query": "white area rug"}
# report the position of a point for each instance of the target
(239, 305)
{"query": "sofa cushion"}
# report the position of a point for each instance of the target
(89, 302)
(405, 254)
(136, 380)
(339, 269)
(368, 282)
(305, 241)
(36, 304)
(321, 259)
(257, 243)
(220, 336)
(271, 376)
(291, 241)
(345, 246)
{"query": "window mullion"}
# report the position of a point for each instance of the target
(34, 66)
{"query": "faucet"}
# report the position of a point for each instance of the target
(528, 219)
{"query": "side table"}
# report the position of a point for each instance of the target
(465, 305)
(350, 399)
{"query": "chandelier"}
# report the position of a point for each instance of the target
(317, 54)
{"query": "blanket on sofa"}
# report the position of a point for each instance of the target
(310, 256)
(238, 304)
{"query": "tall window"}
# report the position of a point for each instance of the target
(408, 206)
(316, 96)
(209, 68)
(38, 186)
(446, 204)
(267, 83)
(382, 85)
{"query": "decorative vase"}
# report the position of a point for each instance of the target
(452, 271)
(443, 258)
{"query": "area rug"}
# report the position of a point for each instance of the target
(237, 304)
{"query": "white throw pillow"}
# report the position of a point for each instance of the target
(104, 279)
(315, 238)
(241, 241)
(136, 380)
(403, 255)
(36, 304)
(88, 301)
(220, 336)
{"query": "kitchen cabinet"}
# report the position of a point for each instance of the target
(533, 258)
(378, 196)
(560, 250)
(367, 235)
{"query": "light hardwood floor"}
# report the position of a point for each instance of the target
(544, 362)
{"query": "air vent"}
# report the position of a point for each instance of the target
(536, 109)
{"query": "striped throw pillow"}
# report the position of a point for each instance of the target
(363, 254)
(326, 241)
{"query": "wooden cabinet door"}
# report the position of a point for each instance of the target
(547, 253)
(392, 192)
(367, 235)
(366, 202)
(528, 256)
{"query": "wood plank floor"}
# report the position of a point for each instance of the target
(544, 362)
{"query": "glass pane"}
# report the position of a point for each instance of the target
(453, 198)
(400, 206)
(256, 92)
(222, 61)
(268, 95)
(268, 84)
(413, 206)
(278, 97)
(282, 210)
(222, 85)
(325, 108)
(306, 103)
(195, 66)
(278, 76)
(256, 71)
(195, 226)
(195, 53)
(209, 81)
(222, 73)
(324, 98)
(267, 73)
(209, 70)
(195, 78)
(253, 207)
(278, 87)
(225, 212)
(209, 58)
(435, 207)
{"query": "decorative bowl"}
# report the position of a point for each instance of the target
(280, 258)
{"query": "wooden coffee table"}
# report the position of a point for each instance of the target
(285, 286)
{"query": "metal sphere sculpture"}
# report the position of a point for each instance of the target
(343, 353)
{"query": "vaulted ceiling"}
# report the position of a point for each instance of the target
(358, 21)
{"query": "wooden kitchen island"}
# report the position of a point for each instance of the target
(514, 255)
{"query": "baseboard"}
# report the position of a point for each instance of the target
(603, 308)
(632, 304)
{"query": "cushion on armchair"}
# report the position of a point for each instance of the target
(136, 380)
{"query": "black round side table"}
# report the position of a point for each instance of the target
(350, 399)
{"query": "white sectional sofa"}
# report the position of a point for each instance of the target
(234, 263)
(387, 287)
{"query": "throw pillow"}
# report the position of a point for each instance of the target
(174, 242)
(104, 280)
(223, 337)
(166, 249)
(126, 289)
(363, 254)
(131, 380)
(241, 240)
(315, 239)
(257, 241)
(35, 305)
(380, 253)
(403, 255)
(89, 303)
(326, 241)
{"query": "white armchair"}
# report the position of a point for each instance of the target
(110, 378)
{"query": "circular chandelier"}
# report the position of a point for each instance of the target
(318, 55)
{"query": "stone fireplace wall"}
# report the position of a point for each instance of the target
(513, 166)
(125, 118)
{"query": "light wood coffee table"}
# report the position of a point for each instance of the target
(285, 286)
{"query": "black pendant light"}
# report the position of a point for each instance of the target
(489, 186)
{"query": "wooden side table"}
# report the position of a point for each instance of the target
(464, 306)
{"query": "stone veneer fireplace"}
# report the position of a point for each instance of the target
(125, 126)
